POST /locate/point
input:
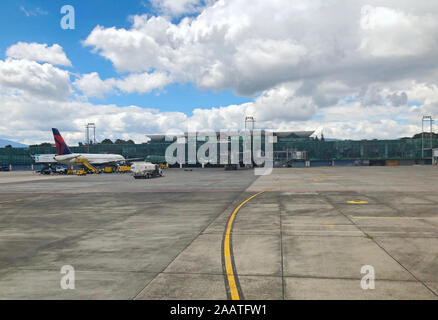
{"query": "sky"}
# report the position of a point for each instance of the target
(360, 69)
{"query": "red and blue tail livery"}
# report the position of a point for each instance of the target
(61, 146)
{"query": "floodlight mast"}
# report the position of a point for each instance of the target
(88, 138)
(423, 138)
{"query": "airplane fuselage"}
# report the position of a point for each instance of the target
(92, 158)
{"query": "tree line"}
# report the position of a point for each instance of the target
(104, 141)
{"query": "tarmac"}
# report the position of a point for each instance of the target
(298, 233)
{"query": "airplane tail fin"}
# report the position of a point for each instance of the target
(61, 146)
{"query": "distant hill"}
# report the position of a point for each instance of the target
(426, 136)
(4, 143)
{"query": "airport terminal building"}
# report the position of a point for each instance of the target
(290, 148)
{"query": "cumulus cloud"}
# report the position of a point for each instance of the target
(35, 117)
(33, 79)
(39, 52)
(275, 106)
(278, 109)
(143, 82)
(283, 104)
(252, 46)
(376, 95)
(398, 99)
(388, 32)
(423, 93)
(357, 69)
(93, 86)
(179, 7)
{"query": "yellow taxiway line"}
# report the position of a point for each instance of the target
(329, 225)
(228, 260)
(227, 250)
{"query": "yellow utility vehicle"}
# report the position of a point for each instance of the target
(81, 172)
(108, 170)
(124, 169)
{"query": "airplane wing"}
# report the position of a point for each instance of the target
(134, 159)
(100, 164)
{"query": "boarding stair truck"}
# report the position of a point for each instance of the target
(146, 170)
(87, 166)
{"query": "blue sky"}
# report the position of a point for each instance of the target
(153, 66)
(39, 21)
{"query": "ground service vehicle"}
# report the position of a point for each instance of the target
(124, 169)
(81, 172)
(60, 170)
(46, 171)
(146, 170)
(108, 170)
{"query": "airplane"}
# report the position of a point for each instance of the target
(65, 156)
